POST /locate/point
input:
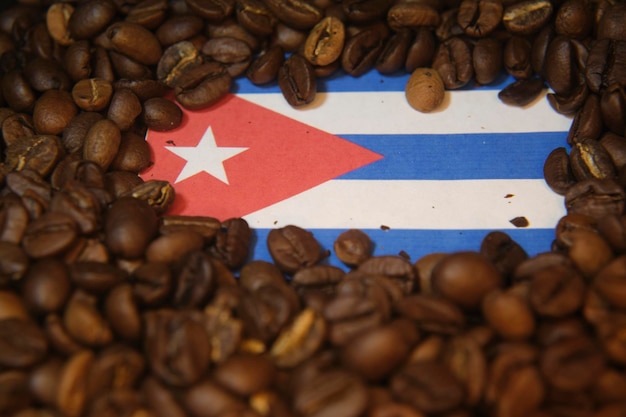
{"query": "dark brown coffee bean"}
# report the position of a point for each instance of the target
(38, 153)
(539, 48)
(50, 234)
(509, 314)
(334, 392)
(90, 18)
(202, 86)
(130, 225)
(124, 108)
(232, 242)
(245, 375)
(587, 124)
(428, 386)
(178, 28)
(364, 12)
(487, 60)
(591, 160)
(122, 312)
(134, 41)
(556, 291)
(610, 26)
(84, 322)
(17, 92)
(148, 13)
(394, 53)
(602, 68)
(421, 51)
(353, 247)
(158, 194)
(503, 252)
(570, 104)
(595, 198)
(478, 18)
(465, 278)
(71, 398)
(613, 108)
(361, 52)
(288, 38)
(16, 126)
(375, 354)
(144, 89)
(560, 68)
(133, 154)
(572, 364)
(300, 340)
(412, 15)
(53, 112)
(522, 92)
(211, 10)
(574, 18)
(527, 17)
(517, 57)
(264, 69)
(15, 395)
(175, 60)
(431, 313)
(255, 17)
(93, 94)
(13, 264)
(195, 278)
(46, 286)
(233, 53)
(22, 343)
(102, 143)
(46, 74)
(453, 61)
(161, 115)
(296, 13)
(177, 346)
(127, 67)
(207, 398)
(297, 81)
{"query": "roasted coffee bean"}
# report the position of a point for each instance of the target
(50, 234)
(195, 277)
(572, 364)
(522, 92)
(412, 15)
(363, 12)
(93, 94)
(421, 51)
(556, 291)
(134, 41)
(264, 68)
(505, 253)
(84, 322)
(102, 143)
(17, 92)
(23, 343)
(509, 314)
(46, 74)
(144, 89)
(560, 68)
(333, 392)
(255, 17)
(487, 60)
(574, 18)
(90, 18)
(539, 48)
(300, 340)
(177, 346)
(233, 53)
(393, 55)
(427, 386)
(175, 60)
(516, 57)
(71, 398)
(453, 61)
(133, 154)
(479, 18)
(431, 313)
(211, 10)
(124, 108)
(126, 67)
(465, 278)
(46, 286)
(587, 124)
(202, 86)
(245, 374)
(396, 268)
(57, 21)
(296, 13)
(602, 68)
(527, 17)
(53, 111)
(609, 26)
(130, 224)
(37, 153)
(297, 81)
(361, 51)
(148, 13)
(613, 108)
(595, 198)
(353, 247)
(325, 42)
(161, 115)
(16, 126)
(591, 160)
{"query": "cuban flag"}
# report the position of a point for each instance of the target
(360, 157)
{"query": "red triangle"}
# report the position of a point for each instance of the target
(285, 157)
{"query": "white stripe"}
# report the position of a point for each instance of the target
(416, 204)
(473, 111)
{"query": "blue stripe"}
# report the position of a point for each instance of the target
(371, 81)
(456, 156)
(417, 243)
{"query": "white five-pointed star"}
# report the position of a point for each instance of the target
(205, 156)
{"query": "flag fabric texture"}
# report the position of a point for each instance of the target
(360, 157)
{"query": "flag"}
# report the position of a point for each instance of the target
(360, 157)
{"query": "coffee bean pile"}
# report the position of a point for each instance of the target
(110, 306)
